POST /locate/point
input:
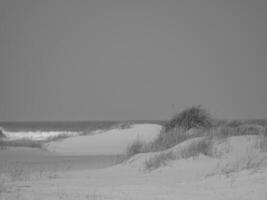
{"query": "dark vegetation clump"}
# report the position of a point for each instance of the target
(176, 130)
(159, 160)
(197, 124)
(193, 149)
(1, 133)
(229, 123)
(194, 117)
(265, 130)
(135, 148)
(234, 123)
(166, 140)
(224, 131)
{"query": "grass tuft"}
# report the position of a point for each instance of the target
(1, 133)
(136, 147)
(196, 122)
(198, 147)
(194, 117)
(203, 146)
(265, 130)
(192, 123)
(159, 160)
(223, 131)
(166, 140)
(189, 123)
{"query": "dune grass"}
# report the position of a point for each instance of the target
(193, 117)
(190, 123)
(176, 130)
(135, 148)
(159, 160)
(166, 140)
(1, 133)
(224, 131)
(233, 123)
(265, 130)
(193, 149)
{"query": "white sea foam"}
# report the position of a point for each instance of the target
(36, 135)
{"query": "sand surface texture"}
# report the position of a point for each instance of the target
(238, 171)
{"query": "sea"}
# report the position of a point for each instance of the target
(46, 130)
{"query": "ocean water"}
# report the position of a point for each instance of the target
(46, 130)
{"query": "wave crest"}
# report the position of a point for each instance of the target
(35, 135)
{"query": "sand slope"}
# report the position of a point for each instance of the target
(111, 142)
(237, 171)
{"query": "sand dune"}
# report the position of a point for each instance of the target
(235, 169)
(111, 142)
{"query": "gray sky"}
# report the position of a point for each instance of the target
(111, 59)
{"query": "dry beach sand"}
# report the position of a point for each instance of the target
(83, 167)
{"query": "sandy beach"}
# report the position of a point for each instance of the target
(19, 160)
(75, 153)
(133, 100)
(63, 171)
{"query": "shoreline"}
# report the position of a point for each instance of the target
(88, 167)
(26, 161)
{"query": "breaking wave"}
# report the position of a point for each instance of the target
(35, 135)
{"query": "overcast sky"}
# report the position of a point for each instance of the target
(131, 59)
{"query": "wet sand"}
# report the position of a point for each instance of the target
(18, 161)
